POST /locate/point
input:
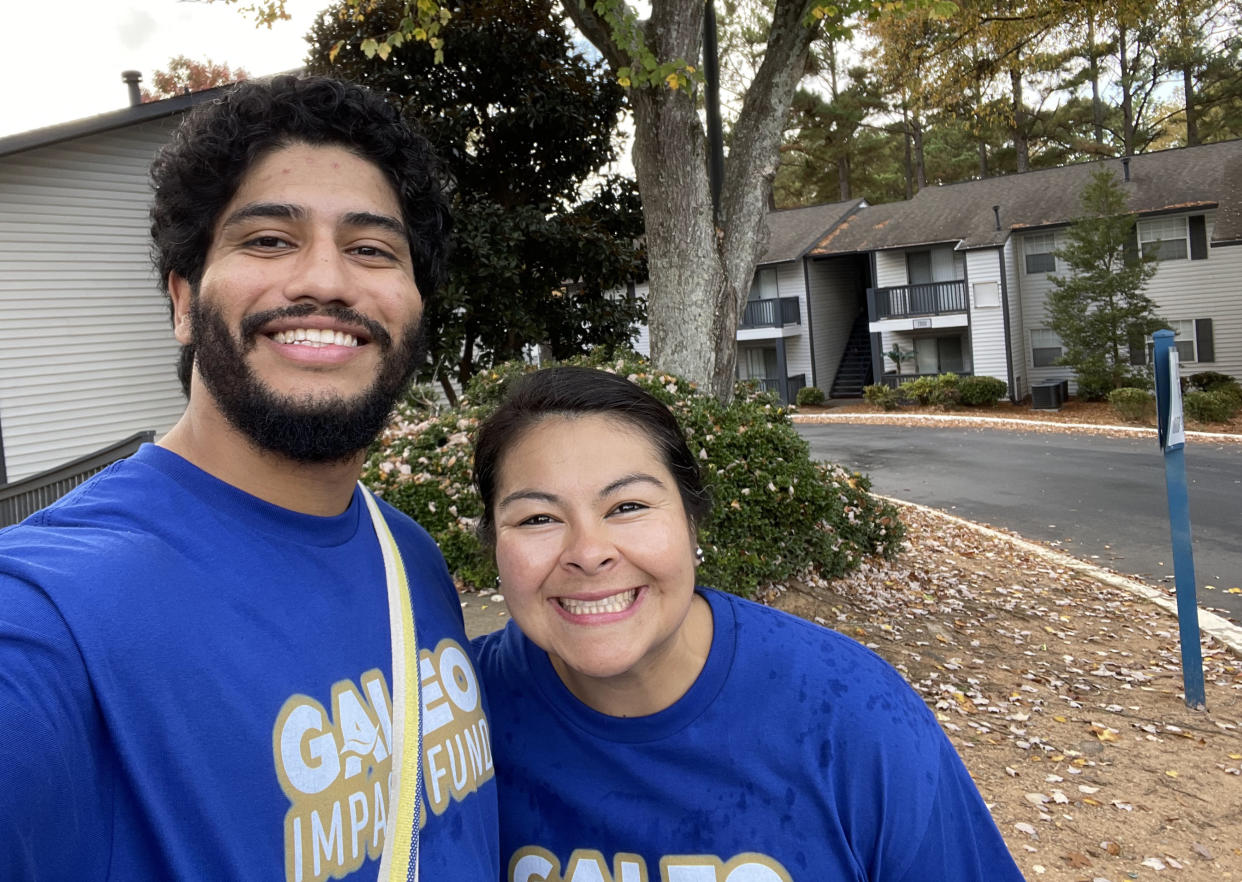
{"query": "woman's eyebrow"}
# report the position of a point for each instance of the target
(536, 495)
(627, 480)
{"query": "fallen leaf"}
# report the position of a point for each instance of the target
(1077, 859)
(1154, 863)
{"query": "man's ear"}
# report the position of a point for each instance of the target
(179, 293)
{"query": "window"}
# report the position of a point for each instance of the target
(1183, 339)
(936, 355)
(763, 287)
(987, 294)
(1038, 249)
(1045, 347)
(1165, 238)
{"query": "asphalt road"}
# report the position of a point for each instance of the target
(1097, 498)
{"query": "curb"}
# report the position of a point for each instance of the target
(812, 418)
(1209, 622)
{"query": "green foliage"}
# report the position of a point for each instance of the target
(1133, 405)
(812, 395)
(1211, 407)
(523, 120)
(776, 511)
(1101, 309)
(1209, 381)
(897, 355)
(920, 390)
(981, 391)
(946, 391)
(882, 395)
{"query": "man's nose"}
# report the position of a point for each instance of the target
(319, 273)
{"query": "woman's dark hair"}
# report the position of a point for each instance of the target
(579, 391)
(200, 169)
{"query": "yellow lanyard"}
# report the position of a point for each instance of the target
(400, 858)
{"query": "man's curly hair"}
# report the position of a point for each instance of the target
(201, 168)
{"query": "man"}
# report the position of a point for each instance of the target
(196, 674)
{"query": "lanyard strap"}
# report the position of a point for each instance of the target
(399, 862)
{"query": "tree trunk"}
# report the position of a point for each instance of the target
(1021, 146)
(1097, 109)
(983, 158)
(1192, 113)
(700, 275)
(906, 136)
(920, 162)
(1127, 93)
(843, 176)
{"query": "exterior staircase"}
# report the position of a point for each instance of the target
(854, 372)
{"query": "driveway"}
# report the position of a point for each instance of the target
(1098, 498)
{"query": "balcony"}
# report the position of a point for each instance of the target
(907, 301)
(775, 312)
(787, 391)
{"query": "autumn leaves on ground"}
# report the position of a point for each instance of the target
(1063, 696)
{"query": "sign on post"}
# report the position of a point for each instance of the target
(1172, 433)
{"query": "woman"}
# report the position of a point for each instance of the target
(646, 729)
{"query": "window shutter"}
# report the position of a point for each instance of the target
(1205, 349)
(1198, 237)
(1138, 348)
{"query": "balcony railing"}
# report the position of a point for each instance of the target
(788, 392)
(23, 498)
(772, 313)
(931, 298)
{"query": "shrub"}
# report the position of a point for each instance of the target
(946, 390)
(1093, 388)
(920, 389)
(1210, 407)
(1209, 381)
(981, 391)
(881, 395)
(812, 395)
(776, 512)
(1133, 405)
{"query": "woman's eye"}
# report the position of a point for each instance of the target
(535, 521)
(628, 507)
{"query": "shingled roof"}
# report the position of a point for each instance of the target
(1169, 180)
(792, 231)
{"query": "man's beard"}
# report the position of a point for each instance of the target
(308, 428)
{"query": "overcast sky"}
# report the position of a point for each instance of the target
(63, 61)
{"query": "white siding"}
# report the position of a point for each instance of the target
(890, 269)
(1182, 289)
(642, 342)
(1017, 337)
(987, 324)
(87, 356)
(834, 305)
(791, 283)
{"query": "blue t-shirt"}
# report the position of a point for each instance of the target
(196, 684)
(797, 756)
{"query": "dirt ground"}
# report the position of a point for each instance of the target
(1062, 694)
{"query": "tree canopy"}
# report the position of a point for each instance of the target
(523, 122)
(189, 75)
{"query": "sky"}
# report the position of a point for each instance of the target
(55, 71)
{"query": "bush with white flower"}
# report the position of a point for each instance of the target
(776, 512)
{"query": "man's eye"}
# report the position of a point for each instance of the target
(268, 242)
(373, 251)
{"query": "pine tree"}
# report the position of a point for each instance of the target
(1100, 310)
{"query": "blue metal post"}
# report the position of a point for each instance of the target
(1173, 442)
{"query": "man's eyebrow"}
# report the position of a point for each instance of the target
(371, 219)
(274, 210)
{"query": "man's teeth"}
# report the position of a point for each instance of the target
(316, 337)
(616, 603)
